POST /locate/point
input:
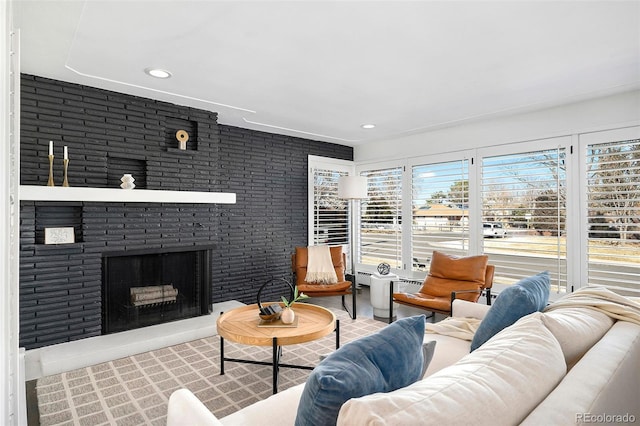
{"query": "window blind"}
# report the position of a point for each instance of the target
(330, 213)
(523, 213)
(440, 211)
(613, 193)
(380, 225)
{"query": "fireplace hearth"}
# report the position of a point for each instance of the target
(142, 288)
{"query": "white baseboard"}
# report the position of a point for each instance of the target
(22, 391)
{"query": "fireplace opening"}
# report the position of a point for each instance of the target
(142, 288)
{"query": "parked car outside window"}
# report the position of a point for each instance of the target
(493, 230)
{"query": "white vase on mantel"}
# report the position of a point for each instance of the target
(287, 316)
(127, 181)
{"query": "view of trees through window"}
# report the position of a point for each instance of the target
(440, 210)
(613, 184)
(381, 218)
(524, 214)
(330, 214)
(519, 216)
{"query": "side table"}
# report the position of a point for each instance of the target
(380, 293)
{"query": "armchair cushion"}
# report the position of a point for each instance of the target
(387, 360)
(450, 273)
(442, 303)
(447, 274)
(300, 260)
(529, 295)
(313, 289)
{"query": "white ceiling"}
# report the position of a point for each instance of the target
(320, 69)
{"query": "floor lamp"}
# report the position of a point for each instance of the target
(353, 188)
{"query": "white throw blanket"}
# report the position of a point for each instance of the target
(603, 300)
(592, 297)
(319, 266)
(462, 328)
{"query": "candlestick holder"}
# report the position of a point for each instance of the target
(50, 182)
(65, 182)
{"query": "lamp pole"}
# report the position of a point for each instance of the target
(352, 238)
(353, 188)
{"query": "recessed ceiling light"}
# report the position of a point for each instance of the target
(158, 73)
(368, 126)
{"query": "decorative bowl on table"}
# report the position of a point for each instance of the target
(273, 311)
(270, 313)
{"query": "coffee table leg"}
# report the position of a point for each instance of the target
(276, 363)
(337, 334)
(221, 356)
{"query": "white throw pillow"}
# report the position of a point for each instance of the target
(499, 383)
(577, 330)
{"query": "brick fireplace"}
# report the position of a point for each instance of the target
(65, 294)
(109, 134)
(148, 287)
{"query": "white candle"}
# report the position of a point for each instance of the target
(50, 147)
(66, 154)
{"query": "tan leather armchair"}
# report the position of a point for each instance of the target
(342, 288)
(449, 278)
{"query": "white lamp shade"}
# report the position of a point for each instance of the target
(352, 187)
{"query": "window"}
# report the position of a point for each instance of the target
(440, 211)
(524, 204)
(328, 214)
(524, 215)
(613, 215)
(381, 218)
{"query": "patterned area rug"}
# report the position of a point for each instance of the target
(135, 390)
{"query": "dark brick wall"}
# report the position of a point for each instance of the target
(108, 132)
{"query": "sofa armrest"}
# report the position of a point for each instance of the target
(464, 309)
(185, 409)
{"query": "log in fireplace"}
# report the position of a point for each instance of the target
(142, 287)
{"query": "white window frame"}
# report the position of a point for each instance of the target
(576, 225)
(317, 162)
(475, 202)
(571, 229)
(408, 204)
(583, 141)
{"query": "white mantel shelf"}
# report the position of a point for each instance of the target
(110, 195)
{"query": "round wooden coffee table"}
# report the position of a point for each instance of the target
(243, 325)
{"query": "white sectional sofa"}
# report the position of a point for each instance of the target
(570, 365)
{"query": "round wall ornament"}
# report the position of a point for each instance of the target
(182, 136)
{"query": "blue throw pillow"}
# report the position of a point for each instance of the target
(523, 298)
(382, 362)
